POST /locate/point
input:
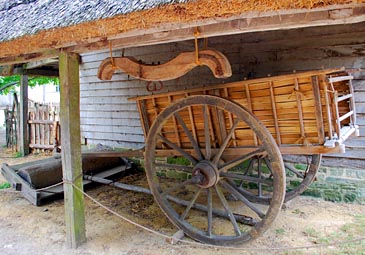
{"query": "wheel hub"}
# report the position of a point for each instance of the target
(206, 173)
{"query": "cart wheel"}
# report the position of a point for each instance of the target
(201, 196)
(300, 173)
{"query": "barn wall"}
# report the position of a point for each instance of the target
(108, 117)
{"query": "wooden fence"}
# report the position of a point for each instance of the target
(12, 120)
(44, 127)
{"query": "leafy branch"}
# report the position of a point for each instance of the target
(7, 83)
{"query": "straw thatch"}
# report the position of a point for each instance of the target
(26, 17)
(27, 25)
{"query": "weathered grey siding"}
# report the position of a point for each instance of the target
(107, 116)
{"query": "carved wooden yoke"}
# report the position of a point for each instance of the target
(173, 69)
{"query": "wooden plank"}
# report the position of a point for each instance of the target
(328, 111)
(23, 125)
(46, 122)
(352, 103)
(42, 146)
(14, 179)
(71, 148)
(192, 121)
(144, 119)
(340, 78)
(273, 105)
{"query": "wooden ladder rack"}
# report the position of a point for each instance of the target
(340, 117)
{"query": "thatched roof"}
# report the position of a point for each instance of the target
(37, 26)
(27, 17)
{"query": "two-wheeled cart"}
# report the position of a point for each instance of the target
(218, 158)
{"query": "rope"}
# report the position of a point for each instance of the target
(196, 34)
(193, 243)
(111, 56)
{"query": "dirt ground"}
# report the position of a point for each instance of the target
(305, 222)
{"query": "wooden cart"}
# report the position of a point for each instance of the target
(216, 157)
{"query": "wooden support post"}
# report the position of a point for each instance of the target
(23, 116)
(71, 148)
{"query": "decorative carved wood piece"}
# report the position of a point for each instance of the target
(173, 69)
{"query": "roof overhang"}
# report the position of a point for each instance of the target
(47, 44)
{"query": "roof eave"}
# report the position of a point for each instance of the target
(43, 45)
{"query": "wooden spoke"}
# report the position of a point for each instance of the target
(186, 169)
(238, 195)
(210, 211)
(216, 212)
(190, 136)
(178, 186)
(268, 164)
(190, 205)
(178, 149)
(259, 176)
(208, 151)
(231, 175)
(237, 161)
(294, 170)
(243, 191)
(225, 142)
(228, 210)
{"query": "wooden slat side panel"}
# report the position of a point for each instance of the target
(302, 105)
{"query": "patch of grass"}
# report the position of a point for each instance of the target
(280, 231)
(178, 161)
(5, 185)
(312, 233)
(18, 155)
(348, 232)
(300, 166)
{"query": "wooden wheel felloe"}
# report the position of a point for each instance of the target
(305, 175)
(201, 196)
(300, 173)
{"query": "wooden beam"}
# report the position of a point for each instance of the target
(37, 72)
(29, 57)
(71, 148)
(246, 23)
(23, 125)
(40, 63)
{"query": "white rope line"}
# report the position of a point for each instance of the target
(333, 244)
(193, 243)
(7, 190)
(48, 187)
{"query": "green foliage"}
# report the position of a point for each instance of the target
(5, 185)
(178, 161)
(280, 231)
(18, 155)
(351, 235)
(32, 82)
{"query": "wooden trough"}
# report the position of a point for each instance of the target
(41, 181)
